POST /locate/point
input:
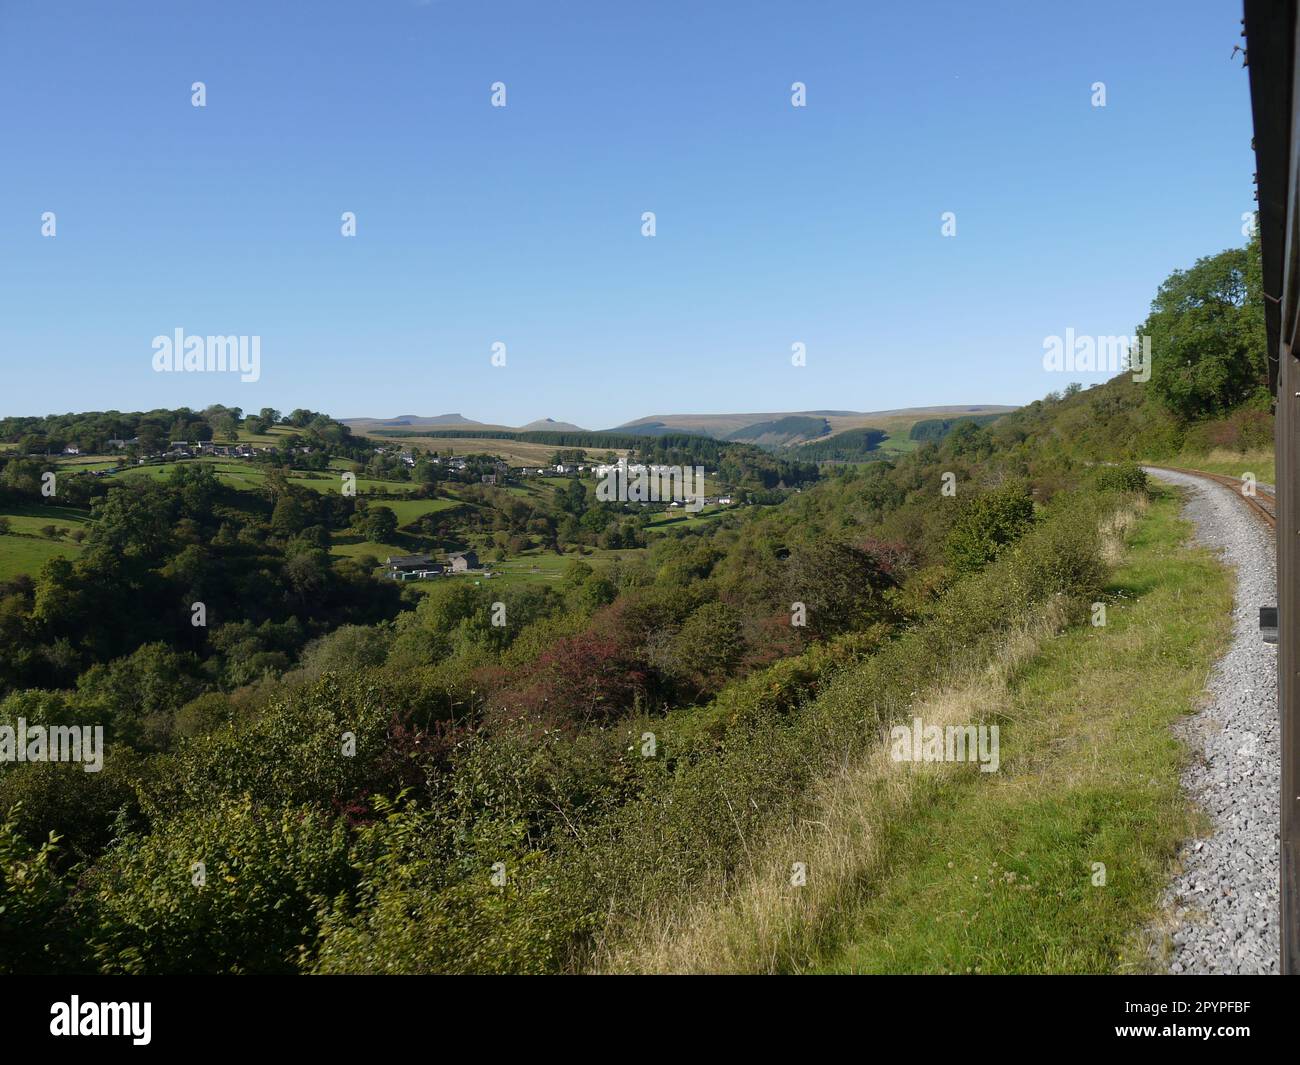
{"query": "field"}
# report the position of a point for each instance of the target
(32, 517)
(272, 436)
(25, 551)
(409, 510)
(83, 463)
(684, 519)
(546, 567)
(27, 554)
(248, 475)
(513, 452)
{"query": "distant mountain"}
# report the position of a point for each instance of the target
(550, 425)
(774, 429)
(792, 429)
(416, 421)
(788, 428)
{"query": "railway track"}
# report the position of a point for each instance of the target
(1262, 501)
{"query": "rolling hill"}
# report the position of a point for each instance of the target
(776, 429)
(792, 428)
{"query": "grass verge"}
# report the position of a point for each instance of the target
(1006, 875)
(939, 868)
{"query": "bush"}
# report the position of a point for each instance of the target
(490, 911)
(32, 897)
(985, 525)
(266, 874)
(1123, 477)
(295, 752)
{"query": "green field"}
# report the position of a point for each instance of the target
(271, 438)
(409, 510)
(243, 474)
(25, 550)
(355, 549)
(533, 567)
(513, 452)
(680, 517)
(27, 554)
(32, 517)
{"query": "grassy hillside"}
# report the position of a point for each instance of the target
(942, 869)
(791, 429)
(1125, 420)
(1003, 876)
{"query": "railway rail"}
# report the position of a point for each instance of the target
(1262, 500)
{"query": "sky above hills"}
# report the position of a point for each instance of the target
(522, 225)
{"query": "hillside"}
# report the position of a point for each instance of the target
(677, 732)
(801, 426)
(550, 425)
(362, 426)
(770, 430)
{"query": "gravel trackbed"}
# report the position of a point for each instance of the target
(1224, 904)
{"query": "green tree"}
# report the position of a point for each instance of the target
(1208, 347)
(838, 585)
(380, 524)
(709, 645)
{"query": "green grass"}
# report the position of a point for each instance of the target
(246, 475)
(409, 510)
(32, 517)
(85, 463)
(540, 568)
(27, 554)
(681, 518)
(25, 550)
(271, 438)
(899, 443)
(994, 875)
(1229, 463)
(367, 547)
(546, 567)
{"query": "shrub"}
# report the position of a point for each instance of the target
(266, 874)
(1122, 477)
(985, 525)
(416, 914)
(32, 898)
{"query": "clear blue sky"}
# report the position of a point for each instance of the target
(522, 224)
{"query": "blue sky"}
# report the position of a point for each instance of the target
(522, 224)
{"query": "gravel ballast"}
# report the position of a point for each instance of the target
(1224, 904)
